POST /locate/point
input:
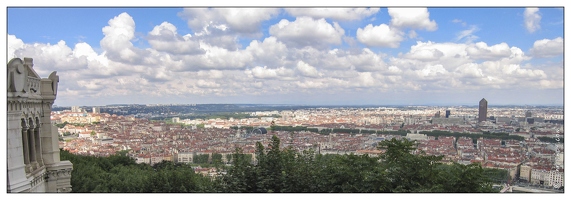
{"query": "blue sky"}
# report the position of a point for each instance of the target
(364, 55)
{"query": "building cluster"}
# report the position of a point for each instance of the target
(181, 140)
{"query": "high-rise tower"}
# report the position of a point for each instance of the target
(483, 110)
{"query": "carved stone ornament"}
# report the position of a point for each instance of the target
(38, 124)
(25, 124)
(55, 80)
(17, 75)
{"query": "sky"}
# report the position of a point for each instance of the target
(295, 55)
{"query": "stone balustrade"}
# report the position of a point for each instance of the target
(33, 84)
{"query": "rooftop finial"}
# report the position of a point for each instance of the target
(29, 61)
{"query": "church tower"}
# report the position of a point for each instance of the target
(33, 157)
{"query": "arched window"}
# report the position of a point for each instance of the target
(31, 145)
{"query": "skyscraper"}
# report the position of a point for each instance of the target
(483, 110)
(447, 113)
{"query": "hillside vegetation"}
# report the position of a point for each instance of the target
(288, 171)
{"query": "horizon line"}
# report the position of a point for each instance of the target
(282, 104)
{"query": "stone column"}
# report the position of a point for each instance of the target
(32, 145)
(25, 145)
(38, 146)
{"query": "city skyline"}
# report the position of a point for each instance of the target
(309, 56)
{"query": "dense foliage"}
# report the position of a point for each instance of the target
(292, 128)
(121, 174)
(75, 124)
(551, 140)
(397, 170)
(200, 159)
(285, 170)
(502, 136)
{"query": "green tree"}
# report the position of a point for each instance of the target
(216, 159)
(62, 124)
(408, 172)
(200, 158)
(401, 168)
(119, 173)
(241, 177)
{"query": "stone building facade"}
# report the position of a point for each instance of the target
(525, 173)
(549, 178)
(33, 156)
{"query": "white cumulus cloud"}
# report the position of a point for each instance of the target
(516, 70)
(547, 48)
(296, 57)
(482, 51)
(307, 70)
(212, 74)
(380, 36)
(270, 73)
(470, 70)
(216, 58)
(270, 52)
(117, 40)
(207, 84)
(415, 18)
(341, 14)
(13, 45)
(164, 37)
(240, 20)
(305, 31)
(425, 54)
(310, 84)
(432, 71)
(366, 79)
(447, 54)
(532, 19)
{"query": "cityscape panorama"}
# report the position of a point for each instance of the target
(285, 100)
